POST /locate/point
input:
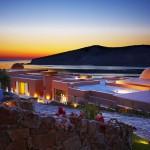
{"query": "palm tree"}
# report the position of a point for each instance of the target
(4, 80)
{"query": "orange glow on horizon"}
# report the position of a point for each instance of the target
(41, 41)
(28, 53)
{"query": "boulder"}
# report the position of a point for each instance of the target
(30, 120)
(72, 143)
(24, 104)
(8, 116)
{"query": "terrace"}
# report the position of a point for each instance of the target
(102, 87)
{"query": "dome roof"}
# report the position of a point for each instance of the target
(145, 74)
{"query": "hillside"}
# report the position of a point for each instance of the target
(100, 56)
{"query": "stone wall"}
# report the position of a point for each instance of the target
(22, 129)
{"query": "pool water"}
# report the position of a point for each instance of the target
(106, 89)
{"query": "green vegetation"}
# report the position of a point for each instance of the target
(4, 79)
(140, 143)
(90, 110)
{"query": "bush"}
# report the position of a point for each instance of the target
(140, 143)
(90, 110)
(4, 79)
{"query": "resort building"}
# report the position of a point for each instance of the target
(45, 85)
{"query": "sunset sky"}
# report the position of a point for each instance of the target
(33, 28)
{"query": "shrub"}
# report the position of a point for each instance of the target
(90, 110)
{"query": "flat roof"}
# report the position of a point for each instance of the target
(105, 88)
(27, 76)
(138, 81)
(141, 96)
(18, 70)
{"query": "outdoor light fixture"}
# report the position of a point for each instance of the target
(47, 97)
(40, 101)
(75, 105)
(143, 142)
(119, 82)
(35, 95)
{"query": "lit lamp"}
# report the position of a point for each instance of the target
(75, 105)
(39, 100)
(119, 82)
(143, 142)
(47, 97)
(35, 95)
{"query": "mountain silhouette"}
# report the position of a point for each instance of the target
(138, 55)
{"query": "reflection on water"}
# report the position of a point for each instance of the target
(84, 67)
(96, 71)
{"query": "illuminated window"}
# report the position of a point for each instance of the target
(63, 99)
(23, 88)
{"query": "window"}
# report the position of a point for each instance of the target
(23, 88)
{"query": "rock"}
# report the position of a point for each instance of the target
(17, 145)
(17, 134)
(93, 127)
(4, 140)
(30, 120)
(47, 122)
(8, 116)
(84, 125)
(99, 141)
(44, 141)
(22, 129)
(23, 104)
(73, 143)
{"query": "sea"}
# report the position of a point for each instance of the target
(86, 69)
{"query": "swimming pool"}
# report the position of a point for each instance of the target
(106, 89)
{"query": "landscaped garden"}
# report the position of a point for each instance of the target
(140, 143)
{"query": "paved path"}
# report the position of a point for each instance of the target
(142, 124)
